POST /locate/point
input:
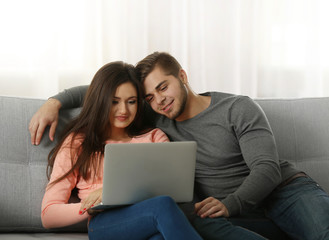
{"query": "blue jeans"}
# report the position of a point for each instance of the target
(156, 218)
(300, 209)
(222, 228)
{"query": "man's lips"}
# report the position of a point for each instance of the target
(168, 106)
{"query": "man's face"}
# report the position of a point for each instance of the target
(166, 94)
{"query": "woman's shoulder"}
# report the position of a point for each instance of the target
(73, 140)
(66, 155)
(154, 135)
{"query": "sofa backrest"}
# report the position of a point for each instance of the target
(300, 128)
(301, 131)
(23, 167)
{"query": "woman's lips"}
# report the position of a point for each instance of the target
(122, 118)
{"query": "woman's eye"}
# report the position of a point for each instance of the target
(132, 102)
(115, 102)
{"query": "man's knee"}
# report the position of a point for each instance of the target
(212, 224)
(221, 228)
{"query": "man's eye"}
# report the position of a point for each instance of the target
(163, 88)
(148, 99)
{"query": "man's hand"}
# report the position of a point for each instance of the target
(46, 115)
(211, 207)
(91, 200)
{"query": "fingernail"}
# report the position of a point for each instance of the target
(84, 209)
(92, 205)
(80, 212)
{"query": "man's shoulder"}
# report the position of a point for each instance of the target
(222, 96)
(224, 100)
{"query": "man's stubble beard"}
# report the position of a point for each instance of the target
(183, 102)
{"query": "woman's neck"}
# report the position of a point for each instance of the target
(119, 135)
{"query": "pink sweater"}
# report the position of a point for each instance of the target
(56, 211)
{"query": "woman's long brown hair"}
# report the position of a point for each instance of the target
(93, 122)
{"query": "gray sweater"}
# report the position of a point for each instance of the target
(237, 160)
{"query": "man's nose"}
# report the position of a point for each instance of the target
(159, 99)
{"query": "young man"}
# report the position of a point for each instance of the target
(238, 169)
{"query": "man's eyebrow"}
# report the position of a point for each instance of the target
(156, 88)
(160, 84)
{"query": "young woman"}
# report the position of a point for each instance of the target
(111, 113)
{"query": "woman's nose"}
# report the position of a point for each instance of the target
(123, 108)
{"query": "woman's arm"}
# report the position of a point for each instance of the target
(56, 211)
(159, 136)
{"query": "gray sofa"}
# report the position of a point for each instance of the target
(300, 126)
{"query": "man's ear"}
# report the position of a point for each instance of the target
(183, 76)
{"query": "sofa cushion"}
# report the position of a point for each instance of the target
(23, 167)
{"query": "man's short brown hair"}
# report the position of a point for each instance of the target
(158, 59)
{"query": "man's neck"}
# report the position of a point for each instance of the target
(195, 104)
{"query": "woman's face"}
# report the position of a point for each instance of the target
(124, 106)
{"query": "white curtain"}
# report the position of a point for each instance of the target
(259, 48)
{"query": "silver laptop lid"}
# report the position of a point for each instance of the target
(137, 171)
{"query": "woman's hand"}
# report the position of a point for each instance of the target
(93, 199)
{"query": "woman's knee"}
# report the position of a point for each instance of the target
(163, 200)
(163, 203)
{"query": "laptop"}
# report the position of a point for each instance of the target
(137, 171)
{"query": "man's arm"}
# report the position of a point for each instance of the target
(259, 151)
(48, 112)
(72, 97)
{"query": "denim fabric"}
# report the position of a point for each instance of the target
(156, 236)
(155, 218)
(301, 209)
(221, 228)
(259, 223)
